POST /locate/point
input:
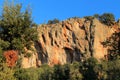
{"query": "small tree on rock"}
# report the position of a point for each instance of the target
(107, 18)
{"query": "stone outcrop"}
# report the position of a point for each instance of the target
(68, 41)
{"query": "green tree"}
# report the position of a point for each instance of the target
(101, 71)
(113, 44)
(66, 71)
(113, 70)
(113, 63)
(107, 18)
(75, 72)
(4, 45)
(26, 74)
(16, 27)
(58, 73)
(90, 18)
(53, 21)
(45, 72)
(6, 73)
(87, 69)
(96, 16)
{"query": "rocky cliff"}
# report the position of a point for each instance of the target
(71, 40)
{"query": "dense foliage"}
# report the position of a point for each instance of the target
(16, 30)
(106, 18)
(6, 73)
(113, 45)
(53, 21)
(16, 34)
(90, 69)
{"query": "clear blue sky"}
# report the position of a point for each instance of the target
(44, 10)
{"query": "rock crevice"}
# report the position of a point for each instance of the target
(71, 40)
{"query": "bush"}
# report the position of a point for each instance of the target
(87, 69)
(107, 18)
(6, 73)
(45, 72)
(26, 74)
(3, 45)
(113, 44)
(90, 18)
(113, 70)
(58, 73)
(75, 73)
(96, 16)
(54, 21)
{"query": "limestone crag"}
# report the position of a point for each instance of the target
(70, 40)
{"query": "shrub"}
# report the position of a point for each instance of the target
(58, 72)
(113, 45)
(54, 21)
(87, 69)
(96, 16)
(107, 18)
(45, 72)
(75, 73)
(26, 74)
(6, 73)
(90, 18)
(113, 70)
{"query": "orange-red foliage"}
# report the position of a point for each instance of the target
(11, 57)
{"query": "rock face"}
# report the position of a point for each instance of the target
(68, 41)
